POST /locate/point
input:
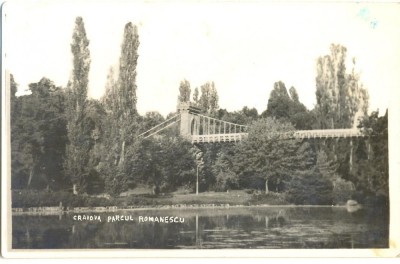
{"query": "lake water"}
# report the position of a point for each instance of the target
(257, 227)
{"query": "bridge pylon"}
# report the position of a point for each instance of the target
(189, 121)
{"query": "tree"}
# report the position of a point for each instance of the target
(266, 154)
(204, 100)
(310, 188)
(150, 120)
(164, 163)
(13, 98)
(213, 99)
(110, 98)
(96, 120)
(330, 82)
(184, 91)
(127, 71)
(341, 102)
(122, 121)
(225, 177)
(209, 98)
(243, 117)
(373, 176)
(111, 136)
(196, 96)
(315, 184)
(326, 168)
(288, 108)
(80, 143)
(81, 66)
(38, 137)
(293, 94)
(356, 104)
(18, 177)
(340, 96)
(279, 102)
(250, 113)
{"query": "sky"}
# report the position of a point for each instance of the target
(244, 47)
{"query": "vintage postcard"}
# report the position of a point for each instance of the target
(200, 129)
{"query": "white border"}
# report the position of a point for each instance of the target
(394, 186)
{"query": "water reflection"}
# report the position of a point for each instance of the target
(289, 227)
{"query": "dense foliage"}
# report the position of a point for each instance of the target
(38, 137)
(285, 106)
(373, 172)
(61, 139)
(266, 155)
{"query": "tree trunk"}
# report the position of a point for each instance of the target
(266, 187)
(351, 155)
(335, 144)
(74, 189)
(30, 176)
(122, 156)
(156, 189)
(368, 149)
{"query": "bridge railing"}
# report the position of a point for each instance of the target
(234, 137)
(328, 133)
(300, 134)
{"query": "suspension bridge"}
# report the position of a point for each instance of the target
(198, 128)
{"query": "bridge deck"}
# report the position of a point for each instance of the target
(300, 134)
(234, 137)
(328, 133)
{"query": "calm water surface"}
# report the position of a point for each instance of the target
(268, 227)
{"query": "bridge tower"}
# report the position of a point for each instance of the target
(189, 120)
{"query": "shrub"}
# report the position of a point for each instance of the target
(342, 191)
(249, 191)
(31, 198)
(310, 189)
(271, 198)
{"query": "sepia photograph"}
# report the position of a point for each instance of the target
(202, 126)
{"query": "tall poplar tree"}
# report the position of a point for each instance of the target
(341, 98)
(184, 91)
(127, 70)
(196, 96)
(110, 98)
(341, 102)
(80, 143)
(208, 100)
(122, 118)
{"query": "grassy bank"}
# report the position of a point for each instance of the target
(28, 199)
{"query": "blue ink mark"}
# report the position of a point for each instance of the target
(365, 15)
(374, 23)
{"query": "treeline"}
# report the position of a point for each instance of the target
(62, 140)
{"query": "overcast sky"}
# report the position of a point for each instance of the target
(243, 47)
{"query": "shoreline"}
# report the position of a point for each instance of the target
(108, 209)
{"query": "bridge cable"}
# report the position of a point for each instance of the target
(222, 121)
(159, 125)
(161, 129)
